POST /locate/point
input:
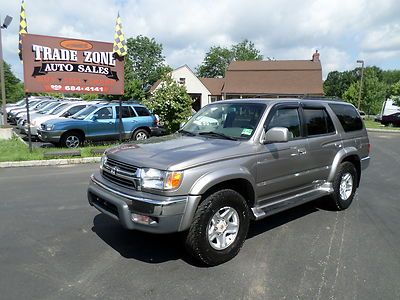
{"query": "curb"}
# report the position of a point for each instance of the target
(383, 130)
(50, 162)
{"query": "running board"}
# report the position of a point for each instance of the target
(268, 209)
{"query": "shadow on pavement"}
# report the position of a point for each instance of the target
(154, 249)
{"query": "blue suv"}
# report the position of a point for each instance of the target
(100, 123)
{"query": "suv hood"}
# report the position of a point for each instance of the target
(177, 152)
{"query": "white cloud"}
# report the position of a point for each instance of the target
(343, 31)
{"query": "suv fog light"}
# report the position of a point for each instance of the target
(141, 219)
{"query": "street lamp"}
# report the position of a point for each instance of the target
(361, 82)
(6, 23)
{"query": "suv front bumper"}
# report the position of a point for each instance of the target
(167, 213)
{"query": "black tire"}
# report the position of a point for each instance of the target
(197, 240)
(337, 200)
(72, 139)
(140, 134)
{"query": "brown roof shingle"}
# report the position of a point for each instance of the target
(284, 77)
(214, 85)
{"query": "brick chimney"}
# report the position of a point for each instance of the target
(315, 56)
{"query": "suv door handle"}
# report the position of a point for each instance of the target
(301, 151)
(338, 145)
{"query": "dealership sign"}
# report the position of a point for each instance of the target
(54, 64)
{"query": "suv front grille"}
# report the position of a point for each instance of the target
(121, 173)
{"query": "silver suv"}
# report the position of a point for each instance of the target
(234, 161)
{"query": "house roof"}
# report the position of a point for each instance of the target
(214, 85)
(154, 86)
(283, 77)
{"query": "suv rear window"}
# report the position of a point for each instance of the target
(317, 121)
(347, 116)
(142, 111)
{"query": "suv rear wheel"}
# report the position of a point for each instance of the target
(219, 228)
(344, 186)
(140, 134)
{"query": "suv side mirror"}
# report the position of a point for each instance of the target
(94, 118)
(276, 135)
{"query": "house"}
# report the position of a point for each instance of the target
(196, 89)
(253, 79)
(273, 78)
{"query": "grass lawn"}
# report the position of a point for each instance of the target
(377, 125)
(15, 150)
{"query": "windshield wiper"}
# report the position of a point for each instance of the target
(187, 132)
(227, 137)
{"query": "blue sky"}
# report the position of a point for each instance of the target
(342, 31)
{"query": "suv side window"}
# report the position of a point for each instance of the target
(104, 113)
(127, 112)
(347, 116)
(286, 117)
(317, 121)
(142, 111)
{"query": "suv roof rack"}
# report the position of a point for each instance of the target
(313, 97)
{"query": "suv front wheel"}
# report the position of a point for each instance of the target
(219, 227)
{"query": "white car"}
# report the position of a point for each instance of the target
(62, 111)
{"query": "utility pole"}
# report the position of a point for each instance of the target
(361, 82)
(6, 23)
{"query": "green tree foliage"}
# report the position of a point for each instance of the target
(373, 93)
(338, 82)
(14, 86)
(246, 50)
(215, 63)
(144, 65)
(218, 58)
(171, 103)
(395, 92)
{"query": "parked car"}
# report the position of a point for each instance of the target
(100, 123)
(234, 161)
(35, 113)
(391, 120)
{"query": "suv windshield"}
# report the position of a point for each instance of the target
(84, 113)
(226, 120)
(49, 107)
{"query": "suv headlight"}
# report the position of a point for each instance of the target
(103, 160)
(49, 127)
(160, 180)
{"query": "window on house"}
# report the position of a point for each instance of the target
(182, 80)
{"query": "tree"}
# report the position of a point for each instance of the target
(373, 92)
(14, 87)
(215, 63)
(395, 92)
(338, 82)
(171, 103)
(218, 58)
(246, 50)
(144, 65)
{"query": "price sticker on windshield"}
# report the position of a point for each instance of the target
(247, 131)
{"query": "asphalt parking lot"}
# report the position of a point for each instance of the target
(53, 245)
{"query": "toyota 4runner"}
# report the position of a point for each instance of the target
(232, 162)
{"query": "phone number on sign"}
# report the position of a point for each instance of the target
(78, 88)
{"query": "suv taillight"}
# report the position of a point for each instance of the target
(369, 148)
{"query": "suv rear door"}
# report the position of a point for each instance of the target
(323, 139)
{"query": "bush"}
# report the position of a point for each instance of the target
(171, 103)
